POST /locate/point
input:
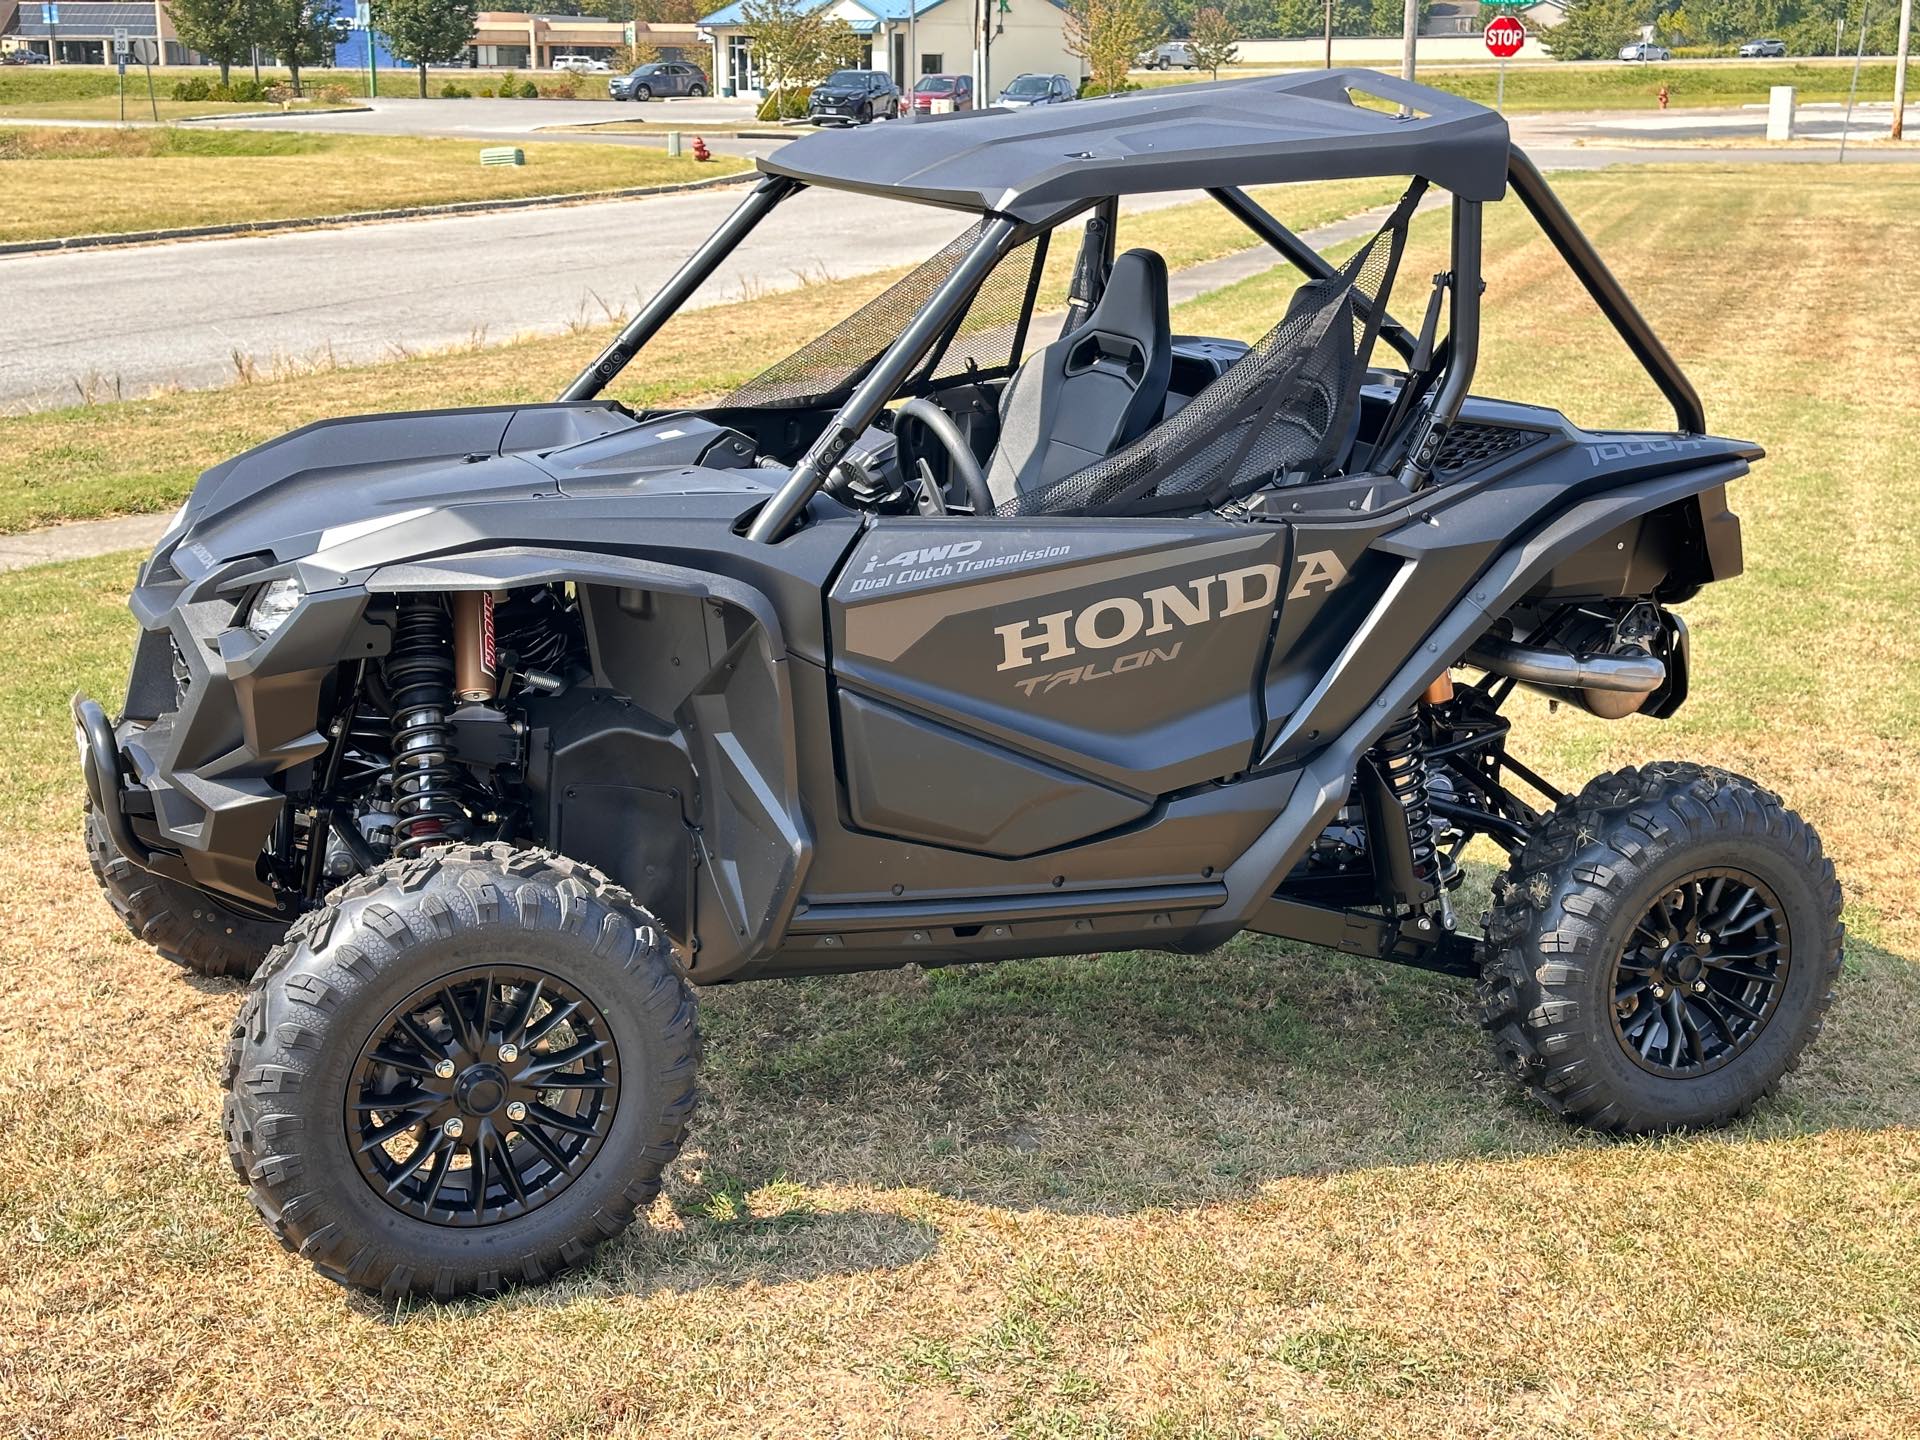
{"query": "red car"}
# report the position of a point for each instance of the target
(957, 89)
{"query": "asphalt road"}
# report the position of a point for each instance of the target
(180, 314)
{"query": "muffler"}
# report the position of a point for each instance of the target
(1611, 684)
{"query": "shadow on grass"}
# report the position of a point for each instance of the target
(1126, 1083)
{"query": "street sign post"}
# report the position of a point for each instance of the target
(363, 22)
(1504, 36)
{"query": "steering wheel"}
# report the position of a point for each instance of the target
(959, 454)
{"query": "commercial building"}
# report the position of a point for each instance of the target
(522, 41)
(992, 40)
(81, 32)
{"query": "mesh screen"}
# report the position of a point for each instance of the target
(825, 370)
(1285, 406)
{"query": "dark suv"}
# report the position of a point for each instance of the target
(661, 79)
(854, 97)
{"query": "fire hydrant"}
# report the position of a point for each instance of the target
(1663, 97)
(700, 151)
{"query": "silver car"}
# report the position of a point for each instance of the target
(1166, 56)
(1024, 91)
(663, 78)
(1645, 50)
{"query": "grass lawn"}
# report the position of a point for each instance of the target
(39, 90)
(57, 182)
(1537, 88)
(1266, 1191)
(127, 457)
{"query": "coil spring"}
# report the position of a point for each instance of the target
(1402, 761)
(426, 802)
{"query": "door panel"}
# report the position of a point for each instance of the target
(1127, 651)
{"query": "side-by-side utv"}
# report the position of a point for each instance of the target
(998, 621)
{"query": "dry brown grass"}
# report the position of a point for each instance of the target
(90, 182)
(1260, 1192)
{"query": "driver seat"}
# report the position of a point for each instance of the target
(1093, 390)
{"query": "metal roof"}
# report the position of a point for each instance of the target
(1033, 164)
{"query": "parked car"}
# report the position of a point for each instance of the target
(1764, 50)
(1027, 90)
(956, 89)
(1168, 55)
(1645, 50)
(854, 97)
(661, 79)
(582, 65)
(23, 57)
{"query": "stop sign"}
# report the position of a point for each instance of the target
(1505, 35)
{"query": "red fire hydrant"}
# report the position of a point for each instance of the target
(700, 151)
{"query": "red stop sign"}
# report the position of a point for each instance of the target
(1505, 35)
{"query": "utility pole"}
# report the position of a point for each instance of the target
(1900, 71)
(1329, 34)
(1411, 30)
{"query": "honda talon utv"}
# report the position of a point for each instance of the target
(995, 622)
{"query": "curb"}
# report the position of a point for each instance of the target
(268, 114)
(365, 217)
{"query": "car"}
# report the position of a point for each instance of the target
(1764, 50)
(1167, 55)
(854, 97)
(23, 57)
(663, 79)
(948, 92)
(1030, 89)
(997, 621)
(581, 64)
(1645, 50)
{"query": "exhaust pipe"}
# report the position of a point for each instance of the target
(1610, 685)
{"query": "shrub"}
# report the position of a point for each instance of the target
(527, 91)
(453, 90)
(282, 95)
(487, 91)
(562, 87)
(335, 94)
(785, 104)
(509, 85)
(194, 89)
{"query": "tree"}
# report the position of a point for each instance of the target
(426, 32)
(221, 30)
(1213, 37)
(796, 45)
(1595, 30)
(298, 32)
(1109, 36)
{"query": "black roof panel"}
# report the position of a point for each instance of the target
(1033, 164)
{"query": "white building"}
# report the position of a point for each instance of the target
(945, 38)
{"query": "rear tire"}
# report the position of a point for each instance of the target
(1666, 946)
(696, 92)
(187, 926)
(422, 996)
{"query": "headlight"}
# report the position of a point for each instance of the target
(272, 607)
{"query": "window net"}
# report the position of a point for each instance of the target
(986, 340)
(1287, 406)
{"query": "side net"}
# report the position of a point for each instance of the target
(1288, 406)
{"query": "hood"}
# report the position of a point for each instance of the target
(325, 484)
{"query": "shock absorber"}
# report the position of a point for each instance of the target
(1400, 816)
(426, 797)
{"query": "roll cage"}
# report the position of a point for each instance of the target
(1440, 139)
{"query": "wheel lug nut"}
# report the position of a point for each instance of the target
(1699, 987)
(455, 1128)
(1702, 938)
(444, 1069)
(1659, 992)
(509, 1053)
(516, 1111)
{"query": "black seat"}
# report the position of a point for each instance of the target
(1091, 391)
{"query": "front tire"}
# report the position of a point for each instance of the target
(468, 1071)
(1666, 946)
(643, 92)
(187, 926)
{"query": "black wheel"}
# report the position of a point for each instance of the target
(1665, 947)
(187, 926)
(696, 91)
(865, 117)
(467, 1071)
